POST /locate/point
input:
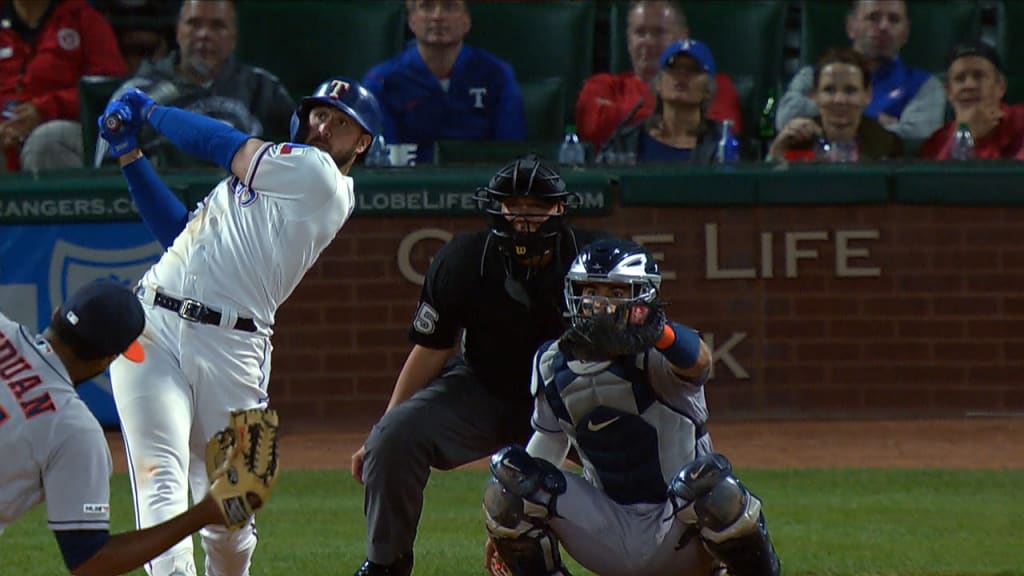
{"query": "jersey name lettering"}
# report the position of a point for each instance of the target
(12, 363)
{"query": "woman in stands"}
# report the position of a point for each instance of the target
(841, 132)
(679, 129)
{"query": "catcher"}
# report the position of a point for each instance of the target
(625, 388)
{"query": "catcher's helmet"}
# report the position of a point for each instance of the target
(612, 261)
(345, 95)
(526, 177)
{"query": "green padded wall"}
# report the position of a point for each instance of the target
(330, 38)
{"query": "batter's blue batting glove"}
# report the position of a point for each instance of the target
(139, 102)
(119, 126)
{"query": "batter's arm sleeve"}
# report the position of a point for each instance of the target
(795, 103)
(924, 114)
(510, 115)
(160, 209)
(205, 138)
(421, 366)
(551, 447)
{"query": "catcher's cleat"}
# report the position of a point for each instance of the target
(401, 567)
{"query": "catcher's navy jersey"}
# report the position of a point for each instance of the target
(52, 448)
(480, 100)
(465, 290)
(634, 422)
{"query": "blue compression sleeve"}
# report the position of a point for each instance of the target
(202, 137)
(161, 211)
(77, 546)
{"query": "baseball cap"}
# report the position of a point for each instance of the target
(696, 49)
(108, 317)
(975, 48)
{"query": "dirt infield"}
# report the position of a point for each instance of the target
(981, 443)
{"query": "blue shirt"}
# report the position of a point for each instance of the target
(893, 86)
(482, 102)
(651, 149)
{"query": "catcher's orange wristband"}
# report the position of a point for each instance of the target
(668, 336)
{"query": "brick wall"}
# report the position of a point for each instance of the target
(833, 311)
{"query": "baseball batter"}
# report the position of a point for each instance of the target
(54, 449)
(625, 388)
(210, 301)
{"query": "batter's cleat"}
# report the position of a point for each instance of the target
(400, 567)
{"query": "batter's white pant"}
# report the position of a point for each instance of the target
(194, 375)
(612, 539)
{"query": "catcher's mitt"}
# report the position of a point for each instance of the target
(631, 329)
(241, 462)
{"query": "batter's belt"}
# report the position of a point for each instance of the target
(196, 311)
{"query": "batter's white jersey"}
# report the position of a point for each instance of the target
(51, 446)
(251, 241)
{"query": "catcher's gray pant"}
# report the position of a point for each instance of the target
(452, 421)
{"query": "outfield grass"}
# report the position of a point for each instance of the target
(835, 522)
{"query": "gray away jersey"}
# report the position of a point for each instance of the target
(634, 422)
(52, 447)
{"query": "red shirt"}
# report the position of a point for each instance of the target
(606, 100)
(1005, 141)
(73, 40)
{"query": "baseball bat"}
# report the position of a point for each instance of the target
(113, 122)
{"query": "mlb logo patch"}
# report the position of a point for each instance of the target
(96, 508)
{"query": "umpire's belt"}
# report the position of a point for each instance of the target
(196, 311)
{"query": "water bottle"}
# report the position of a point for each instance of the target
(766, 127)
(379, 155)
(571, 152)
(728, 145)
(963, 143)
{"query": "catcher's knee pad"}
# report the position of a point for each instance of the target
(706, 493)
(518, 500)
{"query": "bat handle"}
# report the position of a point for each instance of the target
(113, 122)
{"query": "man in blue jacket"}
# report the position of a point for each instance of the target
(442, 89)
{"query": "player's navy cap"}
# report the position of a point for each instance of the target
(108, 317)
(695, 49)
(975, 48)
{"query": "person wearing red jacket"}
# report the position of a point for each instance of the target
(608, 100)
(45, 47)
(975, 87)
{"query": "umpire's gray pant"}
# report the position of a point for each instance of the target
(452, 421)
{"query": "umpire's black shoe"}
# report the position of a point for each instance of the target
(401, 567)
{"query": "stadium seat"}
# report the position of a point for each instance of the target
(93, 94)
(935, 26)
(303, 42)
(540, 40)
(745, 36)
(1010, 43)
(544, 101)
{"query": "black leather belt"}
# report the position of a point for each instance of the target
(196, 311)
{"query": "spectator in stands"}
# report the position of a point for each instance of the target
(45, 47)
(204, 77)
(842, 132)
(441, 89)
(907, 101)
(606, 100)
(679, 129)
(976, 86)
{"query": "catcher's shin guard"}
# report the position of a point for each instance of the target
(518, 500)
(733, 529)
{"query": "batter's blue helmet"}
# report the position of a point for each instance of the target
(345, 95)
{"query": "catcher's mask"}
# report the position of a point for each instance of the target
(617, 264)
(520, 234)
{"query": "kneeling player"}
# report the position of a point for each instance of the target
(625, 388)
